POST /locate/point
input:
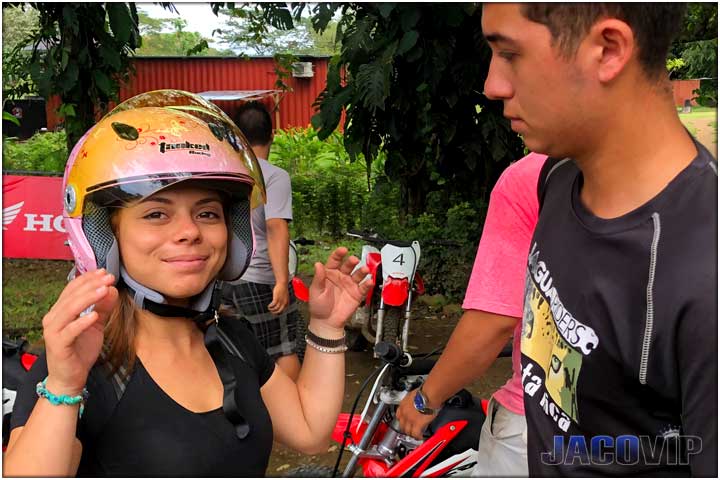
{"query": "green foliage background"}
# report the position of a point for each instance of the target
(43, 152)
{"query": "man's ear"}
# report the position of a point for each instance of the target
(613, 45)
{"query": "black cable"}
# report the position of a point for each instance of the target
(434, 352)
(346, 433)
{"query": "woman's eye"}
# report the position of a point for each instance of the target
(154, 216)
(507, 55)
(209, 215)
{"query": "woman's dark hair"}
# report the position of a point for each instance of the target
(255, 123)
(654, 25)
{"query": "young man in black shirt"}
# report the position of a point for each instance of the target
(619, 346)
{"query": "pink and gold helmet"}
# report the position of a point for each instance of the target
(148, 143)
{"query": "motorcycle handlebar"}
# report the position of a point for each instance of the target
(391, 353)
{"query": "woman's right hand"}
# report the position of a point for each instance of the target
(73, 342)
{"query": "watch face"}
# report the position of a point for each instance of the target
(419, 401)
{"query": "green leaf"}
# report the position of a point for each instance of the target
(410, 17)
(111, 57)
(373, 81)
(121, 22)
(67, 110)
(11, 118)
(65, 59)
(202, 45)
(103, 82)
(407, 42)
(125, 131)
(386, 9)
(69, 77)
(70, 19)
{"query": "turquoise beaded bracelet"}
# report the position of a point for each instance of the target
(43, 392)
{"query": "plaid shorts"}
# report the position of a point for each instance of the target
(248, 301)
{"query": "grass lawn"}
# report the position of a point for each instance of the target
(30, 288)
(699, 110)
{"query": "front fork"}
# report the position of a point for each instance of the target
(406, 323)
(359, 449)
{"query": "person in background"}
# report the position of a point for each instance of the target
(263, 297)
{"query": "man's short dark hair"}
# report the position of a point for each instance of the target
(654, 25)
(255, 123)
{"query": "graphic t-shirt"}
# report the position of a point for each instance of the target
(498, 276)
(619, 338)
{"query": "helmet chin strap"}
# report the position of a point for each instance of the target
(202, 306)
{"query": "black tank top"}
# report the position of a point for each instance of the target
(148, 434)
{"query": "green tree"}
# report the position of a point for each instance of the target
(177, 42)
(250, 29)
(81, 52)
(410, 79)
(18, 23)
(694, 53)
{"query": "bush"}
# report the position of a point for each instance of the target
(43, 152)
(445, 268)
(329, 191)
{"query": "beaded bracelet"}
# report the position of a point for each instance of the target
(42, 391)
(339, 349)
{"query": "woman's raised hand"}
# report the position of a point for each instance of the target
(335, 292)
(72, 341)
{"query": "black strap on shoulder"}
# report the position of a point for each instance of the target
(220, 347)
(550, 165)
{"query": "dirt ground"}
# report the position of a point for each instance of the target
(427, 331)
(701, 124)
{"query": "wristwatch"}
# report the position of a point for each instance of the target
(421, 403)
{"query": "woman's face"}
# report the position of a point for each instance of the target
(174, 242)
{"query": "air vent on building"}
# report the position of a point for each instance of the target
(302, 70)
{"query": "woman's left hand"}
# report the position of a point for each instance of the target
(335, 293)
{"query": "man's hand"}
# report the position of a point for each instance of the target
(411, 421)
(280, 300)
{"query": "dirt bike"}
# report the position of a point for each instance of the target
(381, 449)
(16, 362)
(385, 313)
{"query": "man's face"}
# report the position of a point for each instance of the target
(545, 96)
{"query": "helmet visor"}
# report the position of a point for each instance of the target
(218, 121)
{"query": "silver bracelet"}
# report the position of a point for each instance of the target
(339, 349)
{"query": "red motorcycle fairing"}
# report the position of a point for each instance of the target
(420, 459)
(27, 360)
(355, 433)
(419, 284)
(301, 290)
(395, 291)
(372, 261)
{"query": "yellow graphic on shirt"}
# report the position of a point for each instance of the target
(553, 338)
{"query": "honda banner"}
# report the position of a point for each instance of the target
(32, 218)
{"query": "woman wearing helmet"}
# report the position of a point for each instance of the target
(141, 376)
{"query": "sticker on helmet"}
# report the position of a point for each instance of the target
(126, 132)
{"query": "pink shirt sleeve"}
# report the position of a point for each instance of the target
(498, 276)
